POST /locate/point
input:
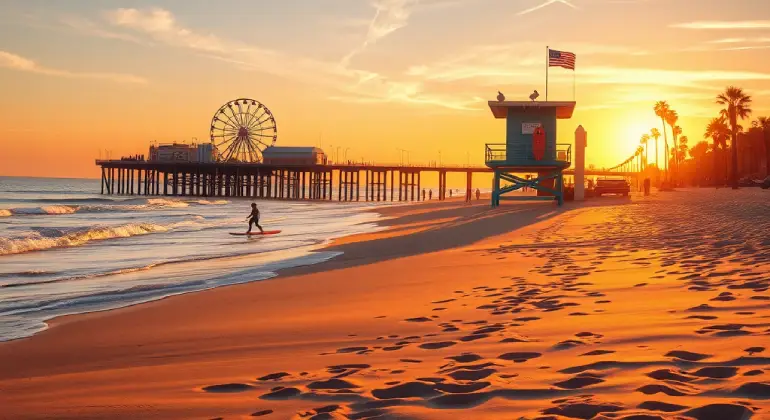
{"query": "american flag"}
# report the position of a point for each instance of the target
(561, 59)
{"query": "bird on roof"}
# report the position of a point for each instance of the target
(500, 96)
(534, 95)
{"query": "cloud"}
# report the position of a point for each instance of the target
(675, 78)
(740, 41)
(389, 16)
(353, 85)
(88, 27)
(506, 63)
(546, 4)
(17, 62)
(716, 24)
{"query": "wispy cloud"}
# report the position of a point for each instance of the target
(716, 24)
(353, 85)
(16, 62)
(660, 77)
(546, 3)
(740, 41)
(389, 16)
(506, 63)
(87, 27)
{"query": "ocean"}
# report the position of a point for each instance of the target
(66, 249)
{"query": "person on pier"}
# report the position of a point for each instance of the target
(254, 218)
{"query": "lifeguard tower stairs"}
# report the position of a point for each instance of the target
(530, 148)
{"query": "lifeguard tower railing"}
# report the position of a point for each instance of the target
(497, 154)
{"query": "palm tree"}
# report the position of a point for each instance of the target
(644, 140)
(661, 110)
(717, 131)
(656, 135)
(738, 107)
(639, 153)
(682, 149)
(764, 124)
(675, 132)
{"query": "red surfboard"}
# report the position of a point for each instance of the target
(538, 143)
(257, 233)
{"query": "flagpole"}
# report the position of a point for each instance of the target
(546, 73)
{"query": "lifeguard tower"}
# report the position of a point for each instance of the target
(530, 147)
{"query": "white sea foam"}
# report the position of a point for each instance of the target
(212, 203)
(38, 241)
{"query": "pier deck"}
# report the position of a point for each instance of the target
(298, 182)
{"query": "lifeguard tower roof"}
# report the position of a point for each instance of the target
(500, 109)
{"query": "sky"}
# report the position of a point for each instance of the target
(363, 78)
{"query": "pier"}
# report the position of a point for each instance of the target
(354, 182)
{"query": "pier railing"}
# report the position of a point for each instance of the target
(497, 154)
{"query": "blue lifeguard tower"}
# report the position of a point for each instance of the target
(518, 156)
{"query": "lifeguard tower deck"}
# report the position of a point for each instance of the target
(524, 153)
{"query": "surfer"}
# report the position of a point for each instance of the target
(254, 218)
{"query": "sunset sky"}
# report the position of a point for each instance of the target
(80, 77)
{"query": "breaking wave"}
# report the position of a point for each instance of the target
(115, 206)
(54, 238)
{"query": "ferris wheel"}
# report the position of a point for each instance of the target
(241, 130)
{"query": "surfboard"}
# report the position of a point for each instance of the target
(257, 233)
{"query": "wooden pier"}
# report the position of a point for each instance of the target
(311, 182)
(307, 182)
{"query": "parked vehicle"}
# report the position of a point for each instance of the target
(611, 186)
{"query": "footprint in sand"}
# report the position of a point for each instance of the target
(332, 383)
(420, 319)
(598, 352)
(580, 381)
(228, 388)
(352, 349)
(465, 358)
(437, 345)
(281, 393)
(687, 355)
(273, 376)
(519, 357)
(661, 406)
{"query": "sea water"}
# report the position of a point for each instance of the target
(65, 249)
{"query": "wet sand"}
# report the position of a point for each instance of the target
(642, 308)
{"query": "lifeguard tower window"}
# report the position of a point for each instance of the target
(530, 147)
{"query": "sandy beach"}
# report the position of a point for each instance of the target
(625, 308)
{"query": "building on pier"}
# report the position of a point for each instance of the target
(277, 155)
(182, 152)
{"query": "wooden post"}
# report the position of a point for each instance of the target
(418, 186)
(339, 186)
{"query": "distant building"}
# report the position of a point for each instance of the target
(275, 155)
(180, 152)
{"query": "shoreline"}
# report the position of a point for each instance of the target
(344, 245)
(509, 312)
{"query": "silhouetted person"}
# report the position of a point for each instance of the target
(254, 218)
(430, 194)
(478, 194)
(423, 194)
